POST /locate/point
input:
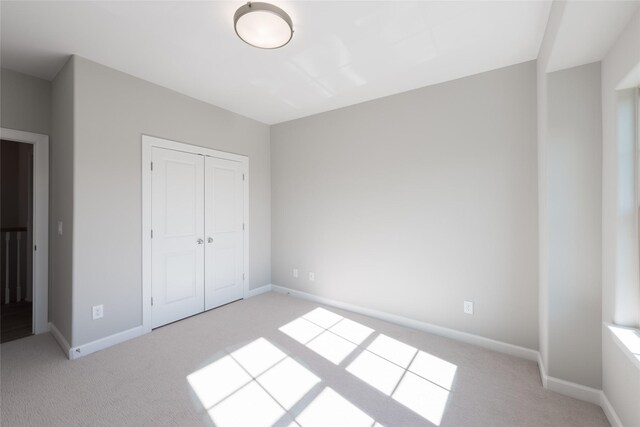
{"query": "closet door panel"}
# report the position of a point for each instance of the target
(224, 214)
(178, 230)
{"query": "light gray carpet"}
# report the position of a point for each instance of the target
(239, 364)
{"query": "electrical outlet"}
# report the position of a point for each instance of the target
(97, 311)
(312, 276)
(60, 228)
(295, 273)
(468, 307)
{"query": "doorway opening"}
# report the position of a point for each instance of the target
(16, 239)
(24, 236)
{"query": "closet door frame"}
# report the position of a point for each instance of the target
(148, 142)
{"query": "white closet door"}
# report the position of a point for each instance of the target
(178, 235)
(224, 199)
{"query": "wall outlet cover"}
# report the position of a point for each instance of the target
(295, 273)
(312, 277)
(468, 307)
(97, 311)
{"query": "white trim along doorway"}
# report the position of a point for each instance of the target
(172, 288)
(40, 202)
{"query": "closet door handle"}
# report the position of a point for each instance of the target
(209, 239)
(200, 241)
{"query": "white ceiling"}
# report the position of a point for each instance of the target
(587, 30)
(342, 53)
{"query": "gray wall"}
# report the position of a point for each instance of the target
(112, 111)
(62, 199)
(553, 26)
(573, 163)
(25, 102)
(570, 219)
(412, 203)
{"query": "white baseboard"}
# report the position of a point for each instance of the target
(499, 346)
(102, 343)
(105, 342)
(609, 411)
(577, 391)
(568, 388)
(60, 339)
(543, 371)
(258, 291)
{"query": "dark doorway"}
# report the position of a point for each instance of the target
(16, 238)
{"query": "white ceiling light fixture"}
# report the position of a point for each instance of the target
(263, 25)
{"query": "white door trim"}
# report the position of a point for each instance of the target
(148, 142)
(40, 222)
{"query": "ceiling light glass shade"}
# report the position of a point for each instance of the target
(263, 25)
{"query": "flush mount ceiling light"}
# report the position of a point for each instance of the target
(263, 25)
